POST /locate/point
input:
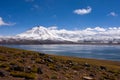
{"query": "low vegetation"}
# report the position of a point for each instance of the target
(16, 64)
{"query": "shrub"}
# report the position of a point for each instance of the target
(77, 67)
(53, 77)
(2, 58)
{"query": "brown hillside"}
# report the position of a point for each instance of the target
(16, 64)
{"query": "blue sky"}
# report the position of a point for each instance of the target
(17, 16)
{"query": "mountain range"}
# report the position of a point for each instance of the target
(51, 35)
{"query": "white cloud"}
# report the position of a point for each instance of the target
(112, 14)
(2, 23)
(83, 11)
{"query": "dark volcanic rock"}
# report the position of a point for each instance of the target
(2, 74)
(41, 54)
(39, 71)
(69, 62)
(16, 68)
(87, 65)
(103, 68)
(92, 75)
(49, 60)
(28, 69)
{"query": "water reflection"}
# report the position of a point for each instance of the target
(109, 52)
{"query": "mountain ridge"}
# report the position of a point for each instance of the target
(52, 34)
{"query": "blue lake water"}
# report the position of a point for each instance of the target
(107, 52)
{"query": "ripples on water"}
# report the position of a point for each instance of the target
(108, 52)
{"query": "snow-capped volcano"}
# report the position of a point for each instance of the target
(52, 33)
(88, 35)
(42, 33)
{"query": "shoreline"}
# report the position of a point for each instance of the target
(60, 44)
(63, 55)
(99, 58)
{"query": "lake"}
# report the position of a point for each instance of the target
(106, 52)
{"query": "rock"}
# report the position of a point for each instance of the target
(92, 75)
(75, 72)
(87, 78)
(66, 68)
(58, 67)
(39, 71)
(49, 60)
(2, 74)
(103, 68)
(41, 54)
(28, 69)
(87, 65)
(17, 68)
(42, 61)
(69, 62)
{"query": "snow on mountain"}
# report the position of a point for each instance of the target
(88, 34)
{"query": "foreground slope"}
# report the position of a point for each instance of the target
(18, 64)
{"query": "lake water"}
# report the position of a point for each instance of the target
(107, 52)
